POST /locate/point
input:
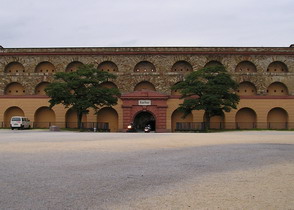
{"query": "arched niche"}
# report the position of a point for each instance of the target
(44, 117)
(177, 117)
(45, 67)
(213, 63)
(277, 67)
(176, 92)
(71, 118)
(110, 116)
(10, 112)
(182, 67)
(246, 89)
(14, 67)
(216, 122)
(277, 89)
(144, 85)
(246, 67)
(40, 88)
(108, 66)
(246, 118)
(277, 118)
(109, 85)
(15, 89)
(144, 67)
(73, 66)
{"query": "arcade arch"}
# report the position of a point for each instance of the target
(143, 119)
(44, 117)
(277, 67)
(45, 67)
(182, 67)
(144, 85)
(73, 66)
(71, 118)
(277, 89)
(14, 88)
(40, 88)
(108, 66)
(213, 63)
(277, 118)
(176, 92)
(177, 117)
(110, 116)
(108, 85)
(216, 122)
(14, 67)
(246, 88)
(246, 67)
(246, 119)
(144, 67)
(10, 112)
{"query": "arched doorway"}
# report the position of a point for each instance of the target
(71, 118)
(177, 117)
(10, 112)
(110, 116)
(216, 122)
(246, 119)
(44, 117)
(277, 118)
(143, 119)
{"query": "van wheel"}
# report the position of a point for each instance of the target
(12, 128)
(29, 127)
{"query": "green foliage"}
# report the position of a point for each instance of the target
(210, 89)
(82, 90)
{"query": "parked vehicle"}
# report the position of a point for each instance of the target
(20, 122)
(131, 128)
(147, 128)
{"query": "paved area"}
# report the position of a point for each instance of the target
(67, 170)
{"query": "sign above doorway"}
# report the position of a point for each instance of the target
(144, 102)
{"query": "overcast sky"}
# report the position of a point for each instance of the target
(129, 23)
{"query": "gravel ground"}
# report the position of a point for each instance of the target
(68, 170)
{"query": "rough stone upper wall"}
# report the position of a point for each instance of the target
(162, 58)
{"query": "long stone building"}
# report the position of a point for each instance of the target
(144, 77)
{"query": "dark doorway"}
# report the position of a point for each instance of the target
(143, 119)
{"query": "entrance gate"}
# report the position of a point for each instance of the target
(143, 119)
(145, 107)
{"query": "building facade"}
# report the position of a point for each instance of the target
(145, 77)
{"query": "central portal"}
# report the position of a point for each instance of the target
(143, 119)
(145, 108)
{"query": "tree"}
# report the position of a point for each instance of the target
(210, 89)
(82, 90)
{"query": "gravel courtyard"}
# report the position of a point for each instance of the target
(69, 170)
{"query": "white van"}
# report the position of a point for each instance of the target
(20, 122)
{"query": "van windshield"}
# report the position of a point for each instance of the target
(16, 119)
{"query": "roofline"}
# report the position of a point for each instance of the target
(147, 51)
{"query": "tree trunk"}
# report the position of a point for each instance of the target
(80, 116)
(207, 122)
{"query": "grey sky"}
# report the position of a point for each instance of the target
(117, 23)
